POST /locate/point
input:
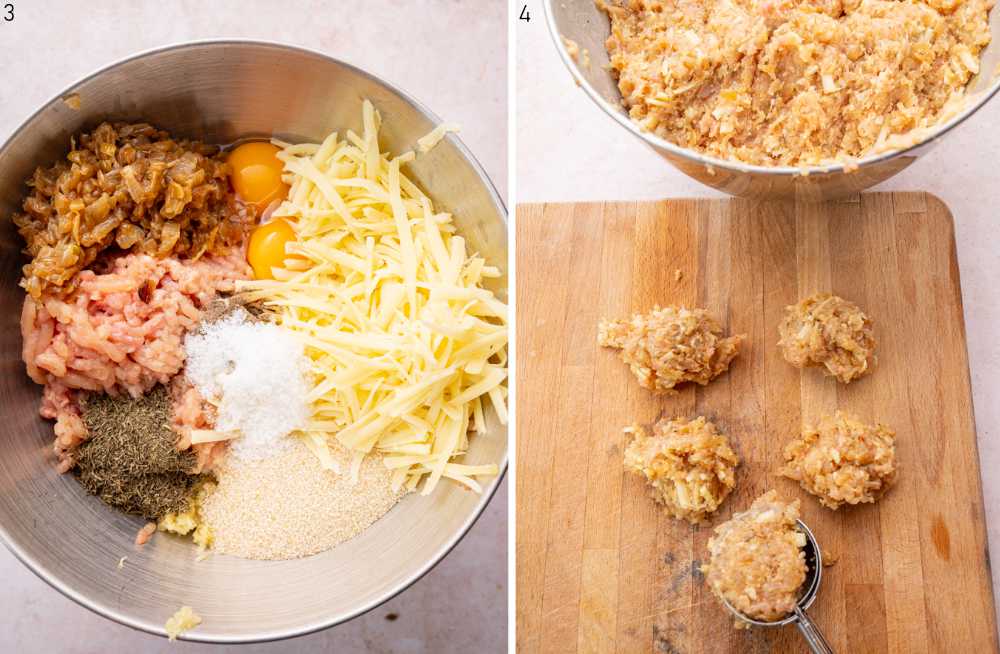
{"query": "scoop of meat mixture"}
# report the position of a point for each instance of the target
(688, 464)
(756, 559)
(670, 346)
(843, 460)
(828, 331)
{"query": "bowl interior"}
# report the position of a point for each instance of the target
(589, 27)
(219, 92)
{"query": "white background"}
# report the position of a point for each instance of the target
(568, 149)
(452, 57)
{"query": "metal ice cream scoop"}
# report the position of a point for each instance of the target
(814, 573)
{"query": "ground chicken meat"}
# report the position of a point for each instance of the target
(843, 460)
(829, 331)
(190, 411)
(669, 346)
(121, 331)
(756, 559)
(793, 82)
(688, 464)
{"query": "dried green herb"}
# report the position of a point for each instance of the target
(130, 460)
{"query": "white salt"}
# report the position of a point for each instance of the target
(256, 374)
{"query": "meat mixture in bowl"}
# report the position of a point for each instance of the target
(793, 82)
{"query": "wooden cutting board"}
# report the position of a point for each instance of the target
(599, 567)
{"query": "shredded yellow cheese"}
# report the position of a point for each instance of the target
(426, 143)
(211, 436)
(407, 346)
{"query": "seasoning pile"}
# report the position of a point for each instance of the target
(131, 460)
(254, 374)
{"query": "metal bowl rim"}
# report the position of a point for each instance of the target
(444, 550)
(733, 165)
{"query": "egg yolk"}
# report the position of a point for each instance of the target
(267, 247)
(256, 174)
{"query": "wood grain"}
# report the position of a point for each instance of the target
(599, 567)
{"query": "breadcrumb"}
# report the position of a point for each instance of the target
(289, 506)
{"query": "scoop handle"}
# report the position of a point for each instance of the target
(811, 633)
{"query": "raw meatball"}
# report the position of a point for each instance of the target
(689, 466)
(757, 562)
(670, 346)
(826, 330)
(843, 460)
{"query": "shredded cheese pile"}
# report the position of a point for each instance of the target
(407, 347)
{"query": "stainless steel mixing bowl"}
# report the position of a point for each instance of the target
(218, 92)
(586, 25)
